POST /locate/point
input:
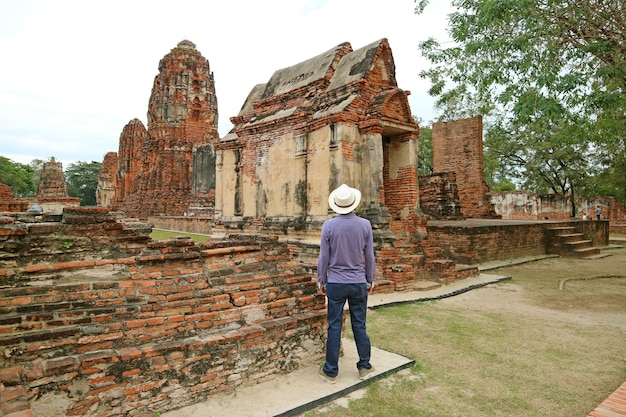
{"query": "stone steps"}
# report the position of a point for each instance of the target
(569, 243)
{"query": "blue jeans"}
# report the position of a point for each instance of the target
(356, 295)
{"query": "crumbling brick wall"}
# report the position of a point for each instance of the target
(458, 148)
(476, 242)
(97, 319)
(610, 208)
(439, 196)
(473, 245)
(8, 203)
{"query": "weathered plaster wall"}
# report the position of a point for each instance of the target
(526, 205)
(105, 192)
(319, 171)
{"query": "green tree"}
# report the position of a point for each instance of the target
(548, 75)
(425, 151)
(37, 167)
(82, 181)
(497, 176)
(18, 176)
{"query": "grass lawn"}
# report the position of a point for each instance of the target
(522, 347)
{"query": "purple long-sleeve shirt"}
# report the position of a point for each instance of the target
(346, 251)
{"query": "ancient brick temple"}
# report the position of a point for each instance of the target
(338, 117)
(129, 161)
(52, 193)
(182, 114)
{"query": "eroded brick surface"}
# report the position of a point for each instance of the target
(52, 190)
(8, 203)
(97, 319)
(182, 114)
(458, 148)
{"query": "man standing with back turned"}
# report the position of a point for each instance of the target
(345, 272)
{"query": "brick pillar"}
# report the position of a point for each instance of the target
(458, 147)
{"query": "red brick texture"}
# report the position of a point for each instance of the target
(130, 156)
(52, 187)
(182, 114)
(613, 406)
(8, 203)
(458, 148)
(112, 323)
(473, 243)
(439, 196)
(52, 181)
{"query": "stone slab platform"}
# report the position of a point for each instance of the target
(297, 392)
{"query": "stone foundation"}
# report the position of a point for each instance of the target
(477, 241)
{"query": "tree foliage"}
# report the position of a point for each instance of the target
(82, 181)
(20, 177)
(548, 76)
(425, 148)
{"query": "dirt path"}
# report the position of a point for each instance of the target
(512, 297)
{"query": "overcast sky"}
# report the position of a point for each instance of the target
(74, 73)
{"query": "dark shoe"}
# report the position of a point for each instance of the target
(325, 377)
(364, 373)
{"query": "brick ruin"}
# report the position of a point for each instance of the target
(51, 196)
(336, 117)
(105, 192)
(524, 205)
(99, 320)
(8, 202)
(155, 167)
(458, 148)
(52, 193)
(129, 161)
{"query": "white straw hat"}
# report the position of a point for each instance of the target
(344, 199)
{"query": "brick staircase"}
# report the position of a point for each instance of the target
(568, 242)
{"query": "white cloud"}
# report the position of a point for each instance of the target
(75, 73)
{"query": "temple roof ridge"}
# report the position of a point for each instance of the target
(305, 72)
